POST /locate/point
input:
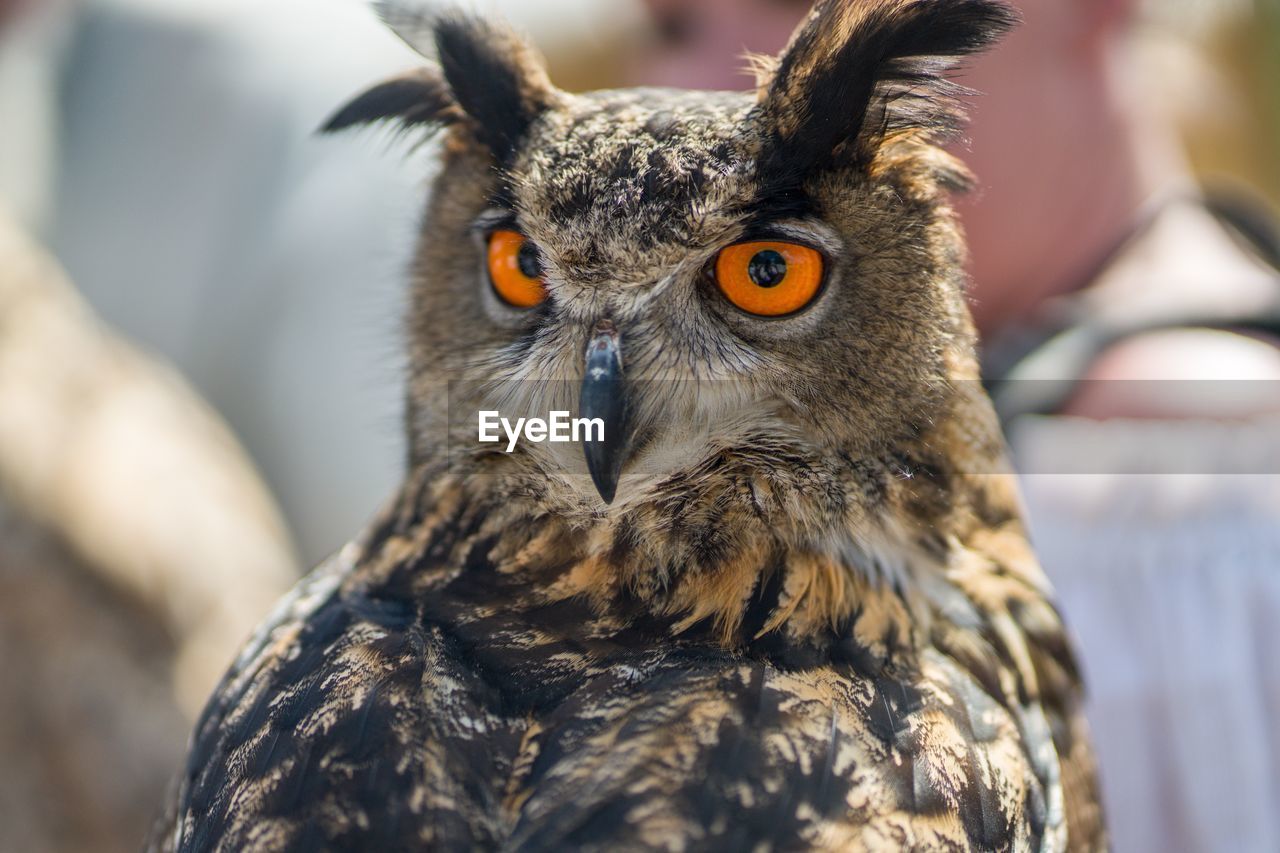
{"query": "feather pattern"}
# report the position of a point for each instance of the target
(811, 619)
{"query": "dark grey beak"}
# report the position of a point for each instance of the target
(604, 396)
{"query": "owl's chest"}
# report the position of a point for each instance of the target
(614, 738)
(461, 723)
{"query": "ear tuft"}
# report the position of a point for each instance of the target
(497, 78)
(488, 79)
(858, 71)
(417, 98)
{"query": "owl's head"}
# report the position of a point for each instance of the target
(774, 276)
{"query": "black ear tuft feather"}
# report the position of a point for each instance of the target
(859, 70)
(497, 79)
(488, 79)
(415, 98)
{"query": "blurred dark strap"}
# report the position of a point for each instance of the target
(1072, 339)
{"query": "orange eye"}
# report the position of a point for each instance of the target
(514, 269)
(769, 278)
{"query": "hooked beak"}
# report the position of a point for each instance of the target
(604, 396)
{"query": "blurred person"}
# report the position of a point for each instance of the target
(1087, 206)
(1099, 267)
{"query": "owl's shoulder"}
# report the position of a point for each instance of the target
(356, 715)
(739, 753)
(346, 717)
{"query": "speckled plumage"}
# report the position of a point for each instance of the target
(810, 619)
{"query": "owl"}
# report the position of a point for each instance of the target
(779, 594)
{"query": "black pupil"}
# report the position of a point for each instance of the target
(767, 268)
(530, 266)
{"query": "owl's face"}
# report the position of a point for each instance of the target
(776, 271)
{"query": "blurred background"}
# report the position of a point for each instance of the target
(200, 364)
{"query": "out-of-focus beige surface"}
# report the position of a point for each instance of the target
(90, 734)
(117, 455)
(138, 548)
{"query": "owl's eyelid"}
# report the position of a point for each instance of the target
(805, 233)
(495, 219)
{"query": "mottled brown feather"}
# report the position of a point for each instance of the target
(810, 619)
